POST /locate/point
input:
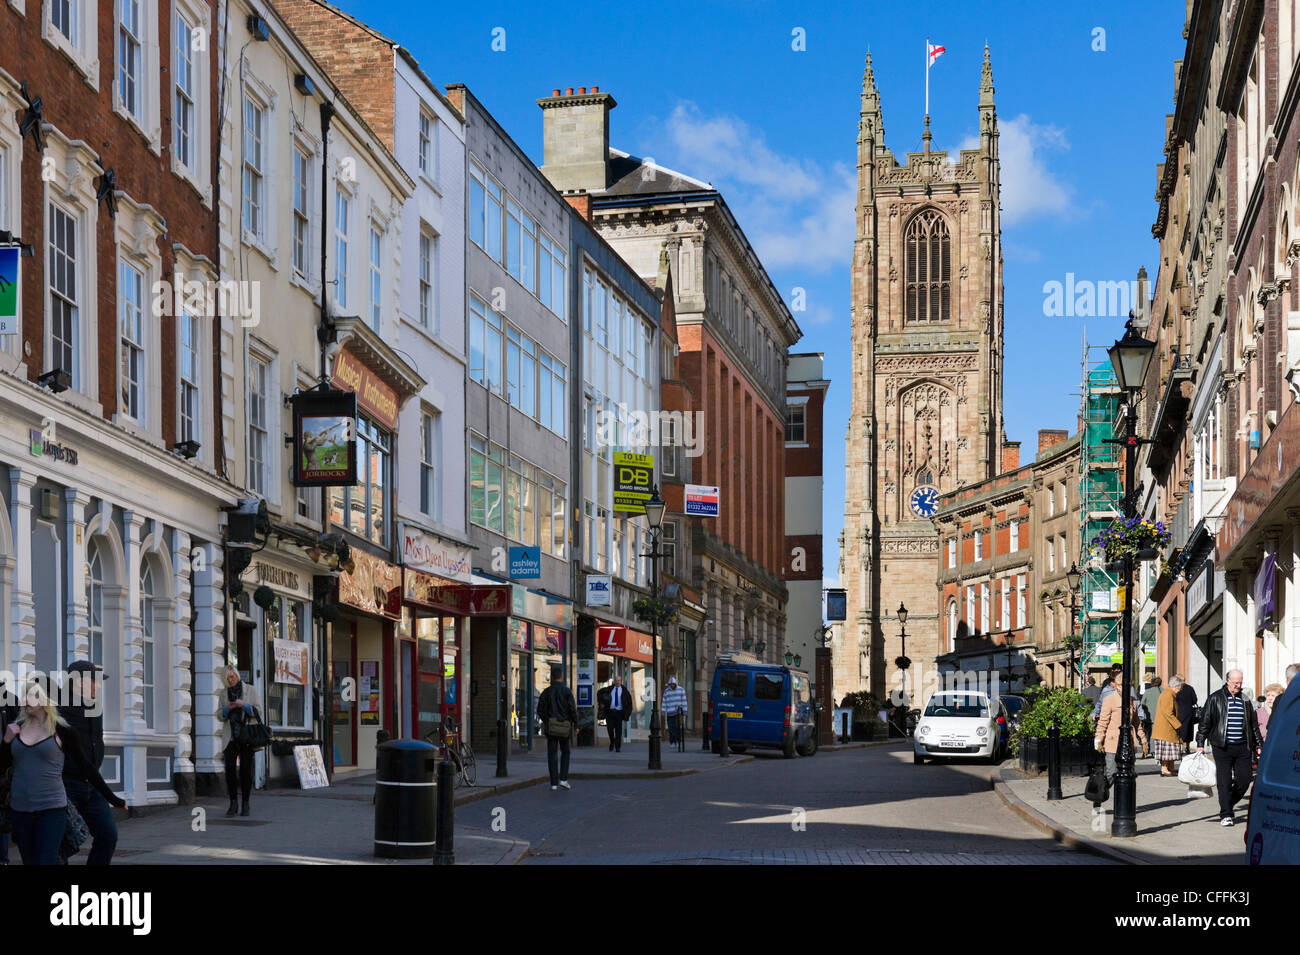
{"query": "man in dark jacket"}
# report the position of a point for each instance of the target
(1228, 722)
(85, 714)
(556, 703)
(1186, 702)
(620, 711)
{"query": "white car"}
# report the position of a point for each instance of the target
(960, 724)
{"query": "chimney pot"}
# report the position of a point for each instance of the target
(582, 91)
(568, 91)
(555, 92)
(595, 89)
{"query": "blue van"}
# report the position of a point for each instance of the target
(767, 705)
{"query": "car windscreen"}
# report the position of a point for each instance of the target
(1014, 704)
(733, 685)
(957, 705)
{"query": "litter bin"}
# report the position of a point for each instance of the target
(404, 799)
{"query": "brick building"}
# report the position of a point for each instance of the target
(805, 399)
(112, 469)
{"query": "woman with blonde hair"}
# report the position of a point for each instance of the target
(237, 708)
(1265, 709)
(36, 745)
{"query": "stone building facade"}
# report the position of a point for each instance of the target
(926, 410)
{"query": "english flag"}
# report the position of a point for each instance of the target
(934, 52)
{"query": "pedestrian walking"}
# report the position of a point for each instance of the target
(1166, 745)
(1265, 709)
(37, 745)
(237, 706)
(1111, 685)
(84, 712)
(558, 712)
(1187, 714)
(675, 709)
(1108, 728)
(1150, 700)
(1092, 691)
(1228, 723)
(620, 711)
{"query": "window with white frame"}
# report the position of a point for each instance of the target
(184, 115)
(286, 703)
(428, 153)
(342, 213)
(979, 545)
(970, 608)
(376, 279)
(130, 38)
(366, 507)
(65, 309)
(255, 130)
(66, 15)
(72, 26)
(668, 548)
(795, 422)
(1051, 500)
(985, 622)
(133, 374)
(189, 347)
(260, 405)
(430, 445)
(95, 602)
(1051, 554)
(428, 262)
(501, 228)
(147, 624)
(1006, 604)
(191, 78)
(1015, 535)
(952, 625)
(1020, 601)
(301, 210)
(952, 552)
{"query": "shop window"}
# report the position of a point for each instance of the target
(286, 690)
(365, 509)
(668, 548)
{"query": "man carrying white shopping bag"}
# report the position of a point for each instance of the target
(1228, 721)
(1197, 770)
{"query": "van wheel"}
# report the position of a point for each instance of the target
(811, 748)
(787, 748)
(737, 747)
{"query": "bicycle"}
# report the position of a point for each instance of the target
(452, 747)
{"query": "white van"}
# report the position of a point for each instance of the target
(1273, 817)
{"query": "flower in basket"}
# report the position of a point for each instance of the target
(902, 662)
(1126, 536)
(654, 610)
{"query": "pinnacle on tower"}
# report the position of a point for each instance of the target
(872, 123)
(986, 80)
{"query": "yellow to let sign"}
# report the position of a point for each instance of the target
(634, 476)
(1121, 597)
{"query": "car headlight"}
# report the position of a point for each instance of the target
(922, 730)
(981, 731)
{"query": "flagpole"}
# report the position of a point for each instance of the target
(927, 76)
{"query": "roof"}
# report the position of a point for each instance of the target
(634, 176)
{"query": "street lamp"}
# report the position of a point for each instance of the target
(1073, 578)
(1130, 356)
(654, 515)
(902, 632)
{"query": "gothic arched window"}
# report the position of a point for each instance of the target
(95, 602)
(928, 268)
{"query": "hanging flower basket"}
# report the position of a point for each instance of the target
(655, 610)
(1132, 537)
(902, 662)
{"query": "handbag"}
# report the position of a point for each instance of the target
(74, 833)
(557, 728)
(1097, 790)
(256, 734)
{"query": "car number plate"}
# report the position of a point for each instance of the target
(952, 743)
(732, 714)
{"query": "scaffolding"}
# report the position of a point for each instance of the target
(1101, 497)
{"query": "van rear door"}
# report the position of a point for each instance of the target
(766, 714)
(731, 699)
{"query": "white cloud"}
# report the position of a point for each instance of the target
(796, 212)
(1029, 189)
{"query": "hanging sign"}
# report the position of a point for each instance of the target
(701, 501)
(600, 589)
(837, 604)
(633, 480)
(324, 439)
(9, 291)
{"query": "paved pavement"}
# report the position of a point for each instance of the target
(1172, 829)
(869, 805)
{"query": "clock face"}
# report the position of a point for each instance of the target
(925, 501)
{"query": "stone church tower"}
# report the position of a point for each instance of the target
(926, 412)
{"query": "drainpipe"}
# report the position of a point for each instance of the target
(325, 334)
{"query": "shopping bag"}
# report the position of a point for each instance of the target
(1200, 792)
(1197, 770)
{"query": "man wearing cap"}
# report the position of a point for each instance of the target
(674, 709)
(85, 714)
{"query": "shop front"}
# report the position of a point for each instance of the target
(539, 638)
(362, 694)
(627, 653)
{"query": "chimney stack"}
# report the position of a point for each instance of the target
(575, 139)
(1010, 456)
(1050, 438)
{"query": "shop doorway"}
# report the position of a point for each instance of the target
(343, 707)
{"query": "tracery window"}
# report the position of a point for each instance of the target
(929, 268)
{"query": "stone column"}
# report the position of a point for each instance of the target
(132, 634)
(179, 688)
(22, 618)
(75, 609)
(207, 584)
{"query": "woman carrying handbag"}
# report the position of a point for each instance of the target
(243, 734)
(558, 713)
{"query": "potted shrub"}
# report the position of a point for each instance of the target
(1070, 710)
(866, 725)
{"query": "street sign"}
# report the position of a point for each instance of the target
(634, 476)
(599, 590)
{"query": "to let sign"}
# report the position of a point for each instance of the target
(634, 476)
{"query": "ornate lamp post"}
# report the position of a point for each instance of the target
(1073, 578)
(654, 514)
(903, 662)
(1130, 357)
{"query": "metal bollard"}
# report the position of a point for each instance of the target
(1054, 763)
(445, 849)
(503, 748)
(723, 748)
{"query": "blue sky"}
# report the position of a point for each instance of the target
(716, 90)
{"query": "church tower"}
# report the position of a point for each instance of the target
(926, 407)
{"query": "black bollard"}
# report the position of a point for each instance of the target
(723, 748)
(445, 838)
(503, 748)
(1054, 763)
